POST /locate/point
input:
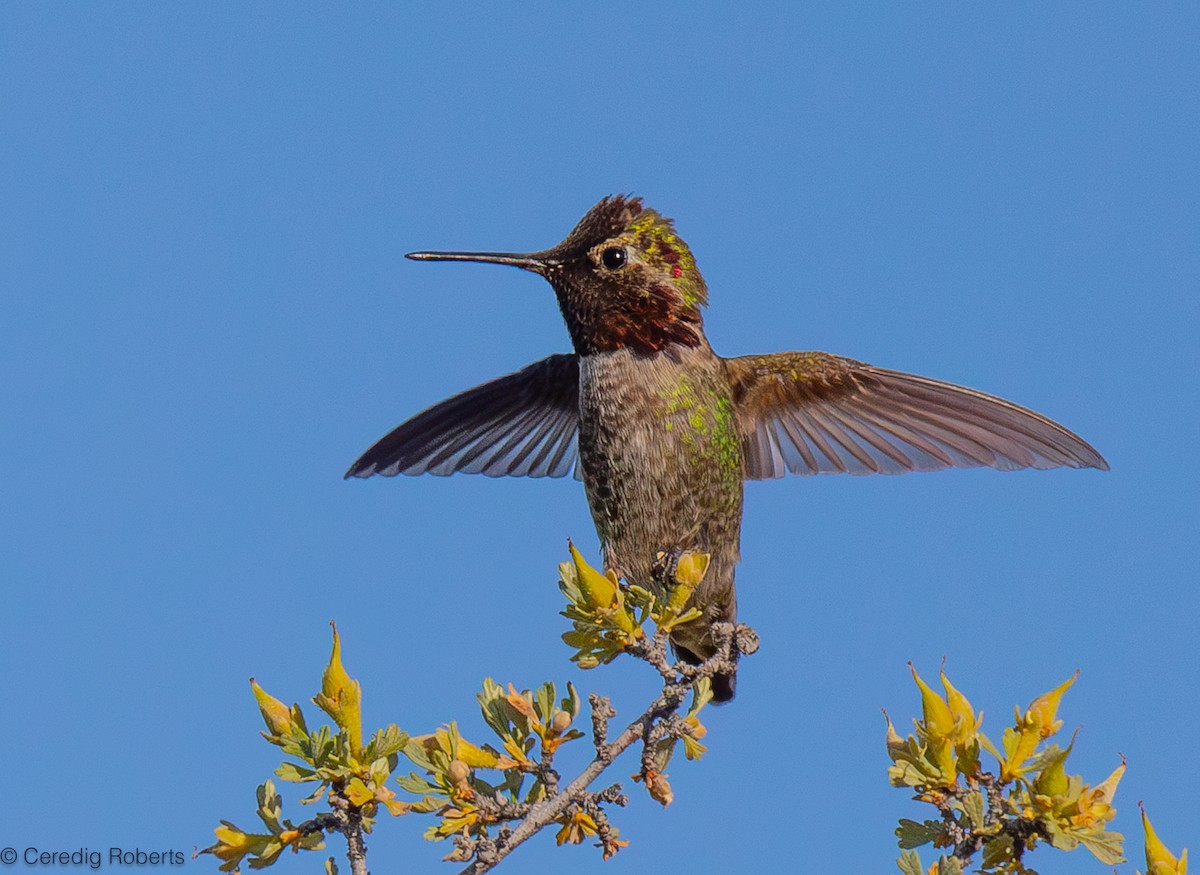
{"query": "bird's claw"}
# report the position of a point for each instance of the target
(666, 563)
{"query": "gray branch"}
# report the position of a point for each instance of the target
(346, 819)
(656, 722)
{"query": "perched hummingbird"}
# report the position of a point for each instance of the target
(663, 431)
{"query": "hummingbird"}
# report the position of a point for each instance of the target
(663, 432)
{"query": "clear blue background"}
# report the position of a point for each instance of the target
(205, 316)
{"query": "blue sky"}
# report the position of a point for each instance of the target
(206, 316)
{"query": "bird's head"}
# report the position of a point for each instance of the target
(623, 278)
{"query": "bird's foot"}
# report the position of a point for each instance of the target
(666, 563)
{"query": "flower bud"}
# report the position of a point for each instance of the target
(458, 772)
(276, 715)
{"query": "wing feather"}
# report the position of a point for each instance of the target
(521, 425)
(815, 413)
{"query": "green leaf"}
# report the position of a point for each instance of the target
(998, 852)
(320, 747)
(693, 749)
(912, 834)
(270, 806)
(491, 703)
(427, 804)
(701, 695)
(910, 863)
(418, 756)
(1107, 847)
(294, 773)
(385, 743)
(315, 795)
(986, 744)
(973, 809)
(1009, 739)
(1064, 840)
(950, 866)
(571, 702)
(544, 701)
(537, 792)
(414, 783)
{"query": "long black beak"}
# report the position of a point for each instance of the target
(533, 262)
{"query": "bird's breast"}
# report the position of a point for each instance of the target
(659, 452)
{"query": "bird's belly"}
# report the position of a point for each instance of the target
(660, 457)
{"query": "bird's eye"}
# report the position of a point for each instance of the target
(613, 257)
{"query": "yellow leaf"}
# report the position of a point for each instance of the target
(601, 593)
(965, 722)
(586, 822)
(1053, 780)
(1095, 803)
(689, 571)
(1159, 860)
(611, 844)
(276, 715)
(941, 754)
(232, 845)
(522, 705)
(341, 696)
(691, 568)
(938, 718)
(478, 758)
(598, 590)
(576, 826)
(358, 793)
(658, 786)
(895, 744)
(473, 756)
(1044, 709)
(1028, 738)
(395, 807)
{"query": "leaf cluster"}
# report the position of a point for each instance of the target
(608, 616)
(349, 775)
(531, 726)
(1029, 798)
(475, 791)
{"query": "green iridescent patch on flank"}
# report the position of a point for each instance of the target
(713, 439)
(678, 398)
(726, 439)
(711, 434)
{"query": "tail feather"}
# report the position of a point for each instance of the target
(724, 685)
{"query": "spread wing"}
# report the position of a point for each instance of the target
(815, 413)
(522, 425)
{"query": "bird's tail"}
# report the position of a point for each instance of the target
(717, 600)
(723, 685)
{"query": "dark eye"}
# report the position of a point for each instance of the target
(613, 257)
